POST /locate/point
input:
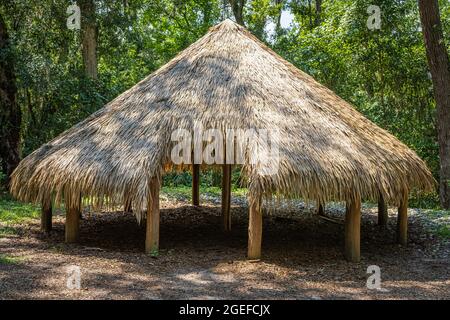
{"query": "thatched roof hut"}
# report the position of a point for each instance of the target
(226, 79)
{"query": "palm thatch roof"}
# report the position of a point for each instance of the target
(226, 79)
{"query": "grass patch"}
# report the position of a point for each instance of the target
(4, 259)
(178, 192)
(444, 231)
(436, 214)
(12, 211)
(440, 220)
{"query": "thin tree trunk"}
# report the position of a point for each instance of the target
(278, 24)
(224, 9)
(10, 113)
(438, 62)
(318, 12)
(310, 14)
(238, 10)
(89, 38)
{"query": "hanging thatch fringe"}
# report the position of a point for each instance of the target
(227, 79)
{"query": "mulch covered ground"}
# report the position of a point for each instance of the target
(302, 259)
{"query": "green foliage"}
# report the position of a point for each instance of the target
(4, 259)
(15, 212)
(184, 192)
(175, 179)
(427, 201)
(444, 231)
(208, 178)
(211, 178)
(383, 72)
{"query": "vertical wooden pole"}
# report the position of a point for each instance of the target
(402, 220)
(320, 209)
(352, 230)
(152, 234)
(226, 196)
(254, 228)
(81, 212)
(196, 184)
(127, 206)
(382, 212)
(46, 215)
(73, 212)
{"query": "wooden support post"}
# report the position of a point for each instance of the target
(127, 206)
(320, 209)
(152, 234)
(382, 212)
(81, 212)
(73, 213)
(196, 184)
(226, 196)
(402, 220)
(352, 230)
(46, 215)
(254, 228)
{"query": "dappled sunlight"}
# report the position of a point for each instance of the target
(302, 258)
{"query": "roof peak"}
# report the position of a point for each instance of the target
(227, 24)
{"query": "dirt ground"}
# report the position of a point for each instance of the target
(302, 259)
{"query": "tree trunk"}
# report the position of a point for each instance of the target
(89, 38)
(438, 62)
(238, 10)
(310, 14)
(10, 114)
(318, 12)
(279, 4)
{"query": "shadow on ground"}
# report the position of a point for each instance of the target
(302, 259)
